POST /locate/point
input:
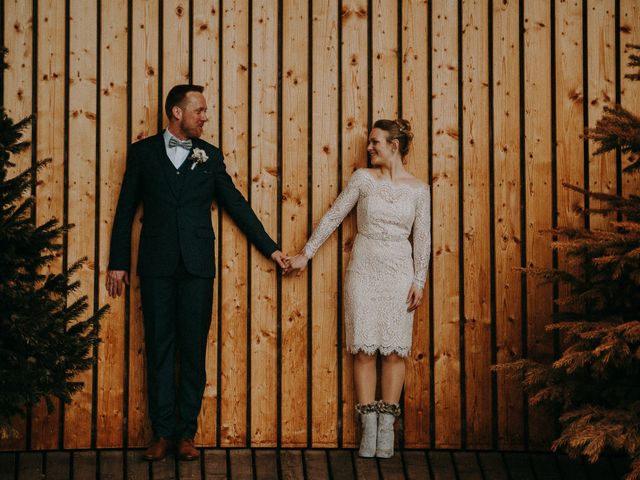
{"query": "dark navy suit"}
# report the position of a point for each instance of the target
(176, 265)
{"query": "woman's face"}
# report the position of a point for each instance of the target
(380, 150)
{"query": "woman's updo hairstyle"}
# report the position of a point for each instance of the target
(399, 129)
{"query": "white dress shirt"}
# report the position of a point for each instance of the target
(176, 154)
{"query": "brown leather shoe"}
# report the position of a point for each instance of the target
(187, 451)
(158, 449)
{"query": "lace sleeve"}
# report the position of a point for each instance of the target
(334, 216)
(422, 238)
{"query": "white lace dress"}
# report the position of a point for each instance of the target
(382, 266)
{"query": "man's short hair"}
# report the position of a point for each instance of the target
(176, 96)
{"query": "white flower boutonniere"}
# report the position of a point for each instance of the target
(198, 156)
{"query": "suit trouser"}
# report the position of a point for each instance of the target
(177, 316)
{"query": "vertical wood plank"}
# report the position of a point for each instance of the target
(206, 64)
(17, 101)
(569, 113)
(569, 102)
(145, 109)
(50, 144)
(415, 108)
(384, 59)
(175, 46)
(113, 150)
(629, 89)
(264, 198)
(324, 271)
(446, 294)
(295, 85)
(601, 72)
(508, 235)
(50, 133)
(233, 274)
(537, 104)
(81, 191)
(476, 224)
(354, 156)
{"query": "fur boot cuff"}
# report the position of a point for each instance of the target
(367, 408)
(390, 408)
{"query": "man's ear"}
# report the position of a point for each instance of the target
(177, 112)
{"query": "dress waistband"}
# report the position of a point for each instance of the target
(384, 236)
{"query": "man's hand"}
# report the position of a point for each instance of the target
(116, 280)
(282, 260)
(414, 299)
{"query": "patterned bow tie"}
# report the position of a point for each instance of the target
(174, 142)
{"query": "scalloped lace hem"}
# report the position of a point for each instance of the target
(384, 350)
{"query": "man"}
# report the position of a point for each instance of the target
(176, 176)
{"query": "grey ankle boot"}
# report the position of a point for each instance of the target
(386, 418)
(369, 420)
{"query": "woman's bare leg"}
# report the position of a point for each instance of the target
(364, 377)
(392, 377)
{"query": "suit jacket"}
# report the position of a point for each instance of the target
(177, 211)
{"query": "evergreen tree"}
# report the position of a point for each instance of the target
(43, 342)
(595, 383)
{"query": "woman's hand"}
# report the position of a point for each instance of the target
(298, 263)
(414, 299)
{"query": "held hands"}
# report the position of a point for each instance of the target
(297, 264)
(282, 260)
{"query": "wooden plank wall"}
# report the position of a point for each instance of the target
(498, 93)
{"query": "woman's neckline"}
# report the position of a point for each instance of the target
(388, 181)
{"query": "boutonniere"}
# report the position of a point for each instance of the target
(198, 156)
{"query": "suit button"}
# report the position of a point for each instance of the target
(177, 173)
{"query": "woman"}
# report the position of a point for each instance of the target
(385, 279)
